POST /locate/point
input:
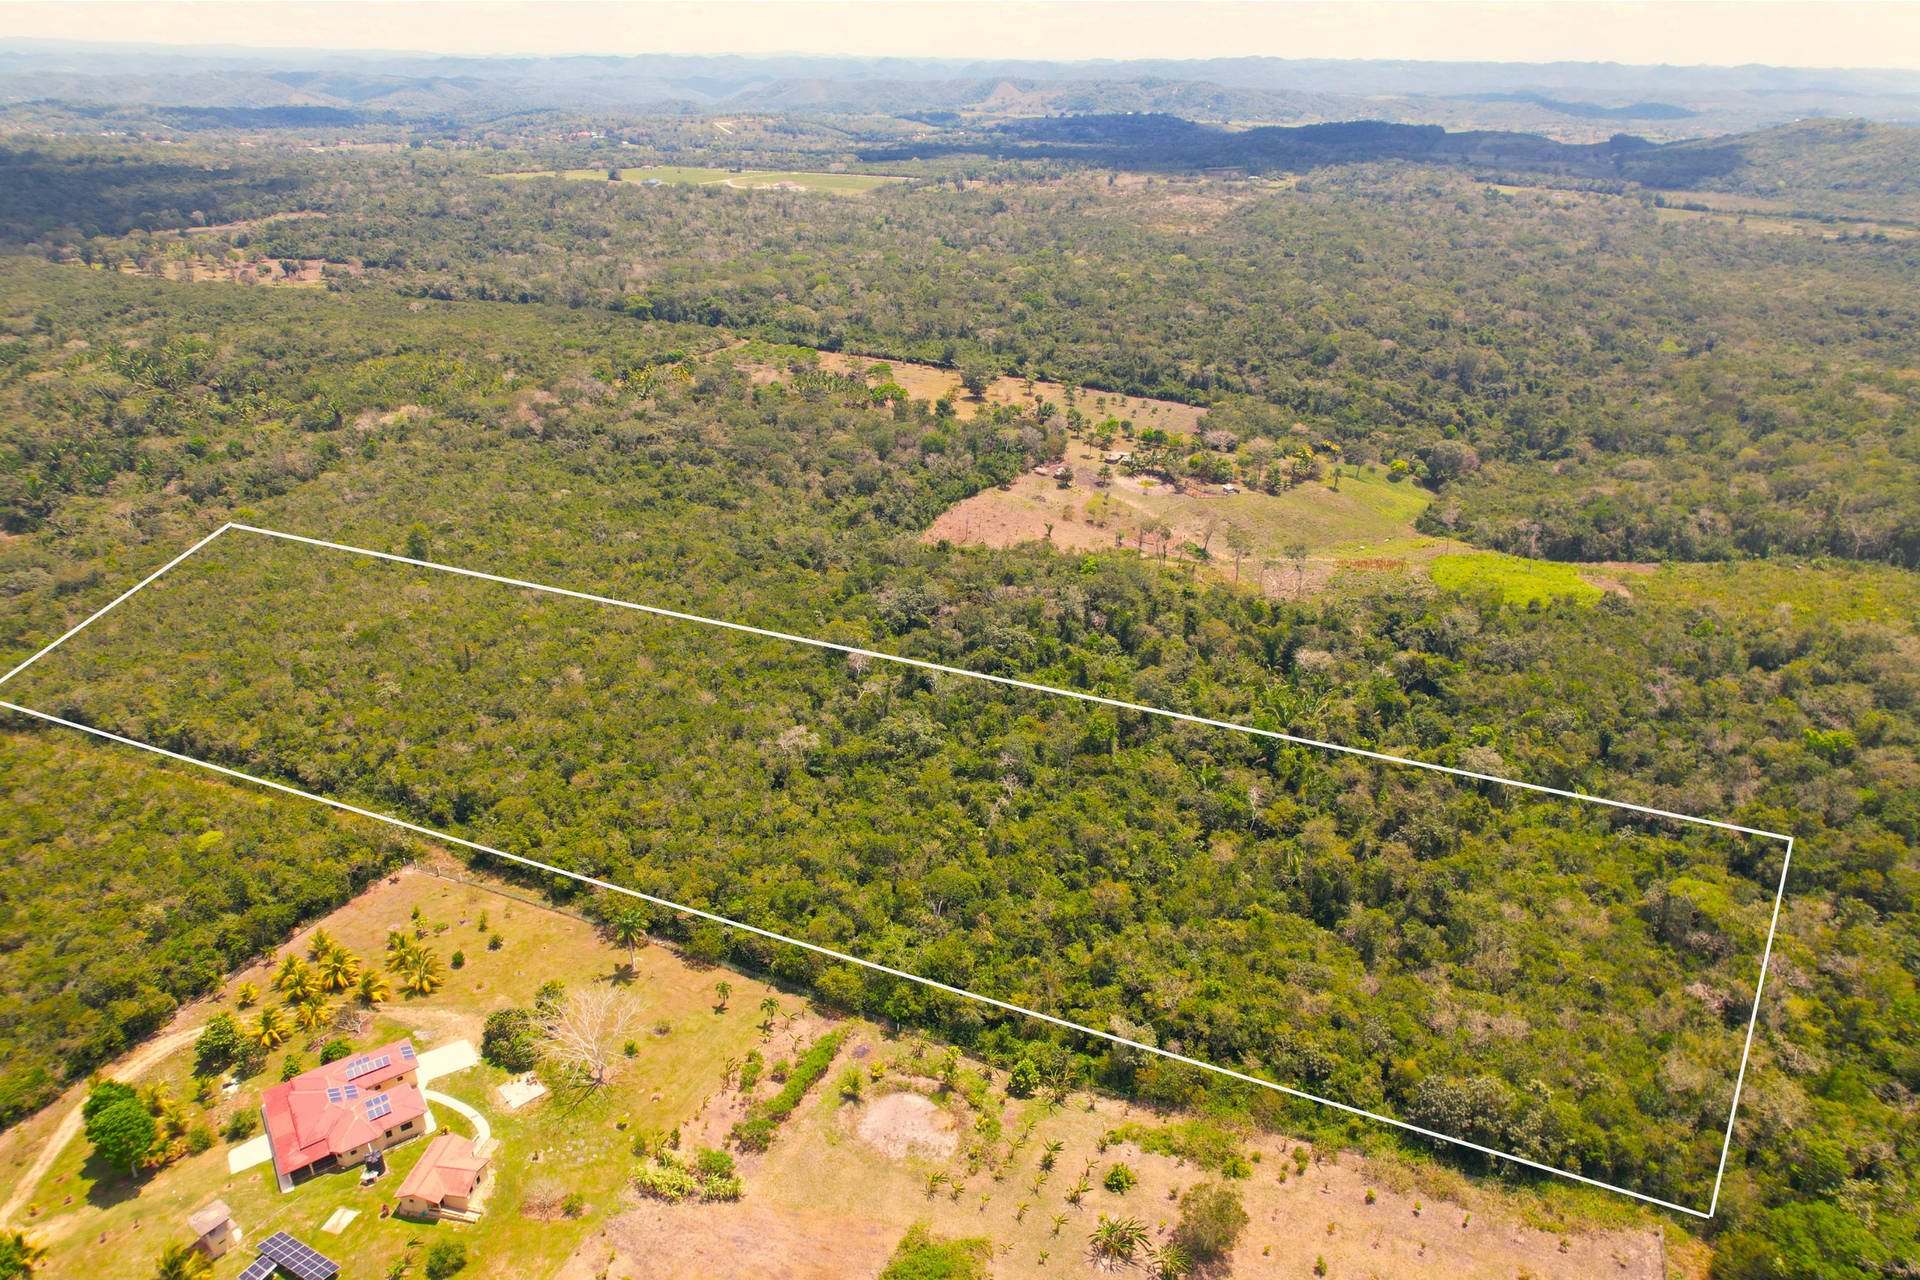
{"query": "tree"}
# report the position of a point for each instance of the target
(1240, 542)
(291, 966)
(312, 1013)
(1211, 1220)
(423, 974)
(723, 990)
(629, 930)
(445, 1258)
(246, 994)
(976, 375)
(417, 545)
(1297, 552)
(19, 1254)
(582, 1034)
(321, 945)
(1208, 528)
(271, 1028)
(769, 1010)
(373, 989)
(218, 1045)
(123, 1134)
(339, 969)
(508, 1040)
(177, 1261)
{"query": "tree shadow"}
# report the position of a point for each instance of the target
(109, 1186)
(623, 975)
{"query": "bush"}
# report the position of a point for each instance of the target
(445, 1258)
(122, 1133)
(334, 1050)
(853, 1083)
(1120, 1179)
(574, 1205)
(666, 1177)
(922, 1255)
(250, 1061)
(495, 942)
(713, 1164)
(757, 1134)
(243, 1125)
(290, 1068)
(1211, 1219)
(458, 959)
(200, 1139)
(220, 1043)
(507, 1041)
(1024, 1079)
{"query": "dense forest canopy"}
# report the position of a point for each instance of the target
(545, 378)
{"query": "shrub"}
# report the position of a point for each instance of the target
(632, 1049)
(219, 1044)
(757, 1134)
(495, 942)
(334, 1050)
(1024, 1079)
(574, 1205)
(250, 1061)
(552, 992)
(199, 1139)
(458, 959)
(922, 1255)
(243, 1125)
(853, 1082)
(713, 1164)
(507, 1041)
(667, 1177)
(122, 1133)
(1120, 1179)
(1211, 1219)
(290, 1068)
(445, 1258)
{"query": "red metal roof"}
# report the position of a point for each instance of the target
(323, 1112)
(448, 1168)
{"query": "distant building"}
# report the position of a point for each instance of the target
(214, 1228)
(1115, 459)
(336, 1116)
(444, 1181)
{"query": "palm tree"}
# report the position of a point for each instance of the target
(177, 1261)
(302, 986)
(290, 964)
(423, 974)
(24, 1253)
(629, 930)
(271, 1029)
(769, 1009)
(320, 945)
(374, 989)
(402, 952)
(246, 995)
(338, 969)
(312, 1013)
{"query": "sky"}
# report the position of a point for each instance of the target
(1825, 33)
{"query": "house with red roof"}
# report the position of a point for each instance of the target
(337, 1115)
(443, 1183)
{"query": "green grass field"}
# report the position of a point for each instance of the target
(752, 180)
(1519, 582)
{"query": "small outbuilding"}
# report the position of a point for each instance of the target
(444, 1183)
(214, 1228)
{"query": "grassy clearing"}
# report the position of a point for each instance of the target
(1518, 582)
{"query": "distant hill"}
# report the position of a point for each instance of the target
(1844, 165)
(1573, 102)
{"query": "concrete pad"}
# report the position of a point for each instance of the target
(515, 1094)
(338, 1222)
(446, 1060)
(254, 1151)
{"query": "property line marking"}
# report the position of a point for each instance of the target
(1752, 1019)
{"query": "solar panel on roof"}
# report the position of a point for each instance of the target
(333, 1095)
(352, 1092)
(378, 1106)
(361, 1066)
(283, 1250)
(406, 1051)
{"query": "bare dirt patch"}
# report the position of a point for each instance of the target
(903, 1124)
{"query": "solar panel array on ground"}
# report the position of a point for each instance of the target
(282, 1250)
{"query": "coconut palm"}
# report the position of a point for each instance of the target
(313, 1013)
(177, 1261)
(339, 969)
(246, 995)
(423, 973)
(320, 944)
(402, 953)
(25, 1254)
(374, 989)
(301, 986)
(629, 930)
(290, 964)
(272, 1028)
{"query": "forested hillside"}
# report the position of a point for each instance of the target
(542, 379)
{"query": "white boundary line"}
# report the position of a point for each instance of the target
(1759, 985)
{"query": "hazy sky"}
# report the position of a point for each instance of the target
(1836, 33)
